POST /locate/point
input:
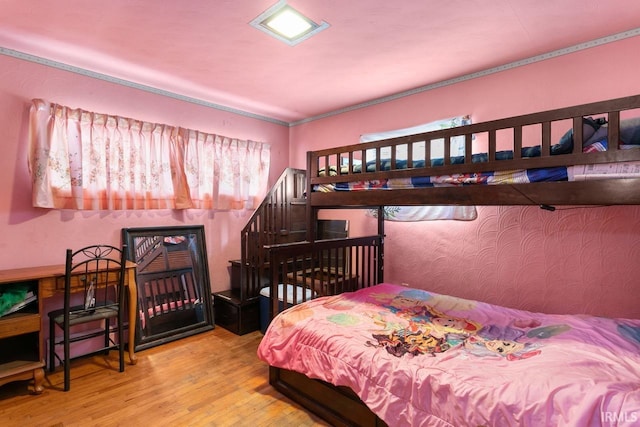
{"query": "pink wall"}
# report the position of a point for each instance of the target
(578, 261)
(32, 236)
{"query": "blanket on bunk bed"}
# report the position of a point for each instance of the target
(523, 176)
(595, 140)
(423, 359)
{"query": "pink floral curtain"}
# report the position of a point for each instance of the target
(84, 160)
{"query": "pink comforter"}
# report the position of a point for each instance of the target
(422, 359)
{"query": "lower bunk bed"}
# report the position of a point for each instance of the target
(417, 358)
(302, 272)
(362, 352)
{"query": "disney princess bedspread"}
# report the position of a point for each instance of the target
(417, 358)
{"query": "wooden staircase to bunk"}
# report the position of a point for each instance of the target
(280, 218)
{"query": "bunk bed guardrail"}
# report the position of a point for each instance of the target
(526, 142)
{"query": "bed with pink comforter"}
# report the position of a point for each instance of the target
(423, 359)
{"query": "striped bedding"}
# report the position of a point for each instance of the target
(563, 173)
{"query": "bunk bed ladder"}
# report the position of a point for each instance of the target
(280, 218)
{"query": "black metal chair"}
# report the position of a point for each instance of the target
(95, 274)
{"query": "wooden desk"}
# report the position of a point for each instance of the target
(50, 280)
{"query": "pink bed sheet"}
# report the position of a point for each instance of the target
(418, 358)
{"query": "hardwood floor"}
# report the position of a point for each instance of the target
(210, 379)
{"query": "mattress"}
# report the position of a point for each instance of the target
(523, 176)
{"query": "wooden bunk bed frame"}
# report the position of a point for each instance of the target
(601, 192)
(339, 405)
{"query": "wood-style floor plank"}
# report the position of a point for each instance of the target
(210, 379)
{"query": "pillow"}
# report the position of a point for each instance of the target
(629, 133)
(589, 128)
(598, 136)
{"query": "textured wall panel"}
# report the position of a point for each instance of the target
(576, 260)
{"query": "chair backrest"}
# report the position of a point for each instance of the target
(97, 273)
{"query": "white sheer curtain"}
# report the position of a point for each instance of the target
(84, 160)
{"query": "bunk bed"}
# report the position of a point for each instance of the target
(581, 155)
(532, 158)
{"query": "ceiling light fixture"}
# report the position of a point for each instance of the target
(287, 24)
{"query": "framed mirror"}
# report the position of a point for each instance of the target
(172, 281)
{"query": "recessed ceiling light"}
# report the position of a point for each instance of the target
(287, 24)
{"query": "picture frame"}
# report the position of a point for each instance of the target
(172, 282)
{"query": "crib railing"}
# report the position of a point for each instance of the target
(306, 270)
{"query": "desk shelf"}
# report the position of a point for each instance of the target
(18, 324)
(21, 336)
(23, 349)
(23, 370)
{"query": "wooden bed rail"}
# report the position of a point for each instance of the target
(611, 109)
(305, 270)
(542, 129)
